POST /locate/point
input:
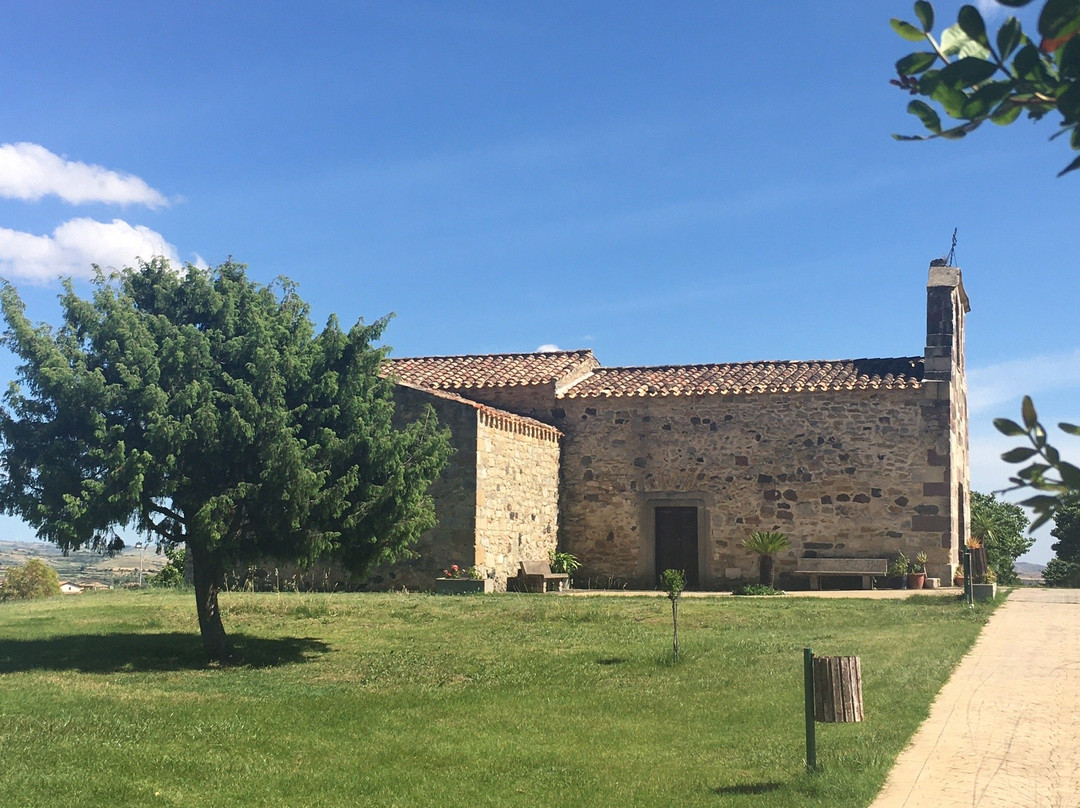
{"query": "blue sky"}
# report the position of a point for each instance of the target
(662, 183)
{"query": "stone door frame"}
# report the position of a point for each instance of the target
(646, 571)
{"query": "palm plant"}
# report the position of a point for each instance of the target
(766, 544)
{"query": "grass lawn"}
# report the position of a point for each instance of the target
(415, 700)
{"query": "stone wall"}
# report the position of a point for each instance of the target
(451, 541)
(497, 500)
(860, 473)
(530, 400)
(947, 307)
(517, 494)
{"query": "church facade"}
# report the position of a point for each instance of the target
(637, 469)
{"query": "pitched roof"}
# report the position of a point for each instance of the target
(751, 377)
(490, 370)
(493, 415)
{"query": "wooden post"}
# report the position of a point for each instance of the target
(808, 687)
(967, 575)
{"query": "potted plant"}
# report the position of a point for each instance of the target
(565, 563)
(898, 571)
(985, 586)
(916, 576)
(463, 581)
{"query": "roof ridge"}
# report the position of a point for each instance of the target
(576, 352)
(762, 362)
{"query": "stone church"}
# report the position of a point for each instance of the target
(637, 469)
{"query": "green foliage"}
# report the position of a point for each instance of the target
(900, 566)
(201, 407)
(172, 574)
(766, 544)
(1065, 569)
(757, 589)
(974, 78)
(920, 562)
(35, 579)
(563, 563)
(1060, 573)
(674, 582)
(1001, 528)
(1046, 472)
(1067, 528)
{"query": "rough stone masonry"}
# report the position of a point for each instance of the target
(632, 467)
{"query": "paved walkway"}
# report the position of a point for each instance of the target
(1005, 729)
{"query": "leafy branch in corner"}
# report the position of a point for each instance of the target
(974, 79)
(1046, 471)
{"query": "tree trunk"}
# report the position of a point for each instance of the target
(675, 628)
(208, 576)
(765, 571)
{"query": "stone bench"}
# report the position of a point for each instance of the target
(868, 568)
(536, 576)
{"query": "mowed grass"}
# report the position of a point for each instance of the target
(416, 700)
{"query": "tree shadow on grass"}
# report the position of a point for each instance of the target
(115, 653)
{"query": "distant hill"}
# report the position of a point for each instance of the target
(83, 567)
(1030, 574)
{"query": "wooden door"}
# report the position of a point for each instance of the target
(677, 542)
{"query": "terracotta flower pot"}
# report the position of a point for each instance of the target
(915, 580)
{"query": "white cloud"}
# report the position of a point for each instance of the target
(1004, 382)
(548, 347)
(29, 171)
(75, 245)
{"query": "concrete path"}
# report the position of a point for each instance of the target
(1005, 729)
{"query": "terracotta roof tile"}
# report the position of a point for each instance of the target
(751, 377)
(490, 370)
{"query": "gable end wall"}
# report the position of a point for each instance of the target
(517, 495)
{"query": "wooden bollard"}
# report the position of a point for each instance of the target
(837, 690)
(833, 690)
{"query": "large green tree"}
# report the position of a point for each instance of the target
(200, 407)
(34, 580)
(1064, 570)
(1002, 529)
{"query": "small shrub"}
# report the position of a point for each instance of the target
(757, 589)
(674, 582)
